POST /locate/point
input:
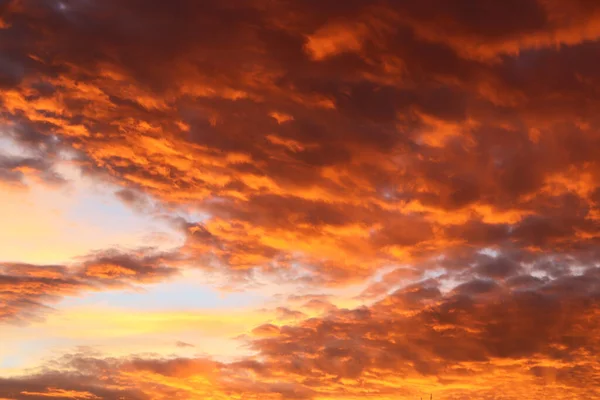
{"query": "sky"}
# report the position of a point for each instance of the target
(299, 199)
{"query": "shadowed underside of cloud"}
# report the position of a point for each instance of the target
(443, 152)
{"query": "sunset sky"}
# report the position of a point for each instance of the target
(299, 199)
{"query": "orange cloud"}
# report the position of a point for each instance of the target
(28, 289)
(60, 393)
(383, 156)
(442, 156)
(524, 335)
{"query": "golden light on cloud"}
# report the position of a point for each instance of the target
(288, 200)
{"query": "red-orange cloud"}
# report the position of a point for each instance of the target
(26, 289)
(413, 148)
(525, 335)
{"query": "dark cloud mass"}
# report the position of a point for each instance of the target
(443, 154)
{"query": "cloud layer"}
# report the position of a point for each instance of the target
(524, 337)
(440, 155)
